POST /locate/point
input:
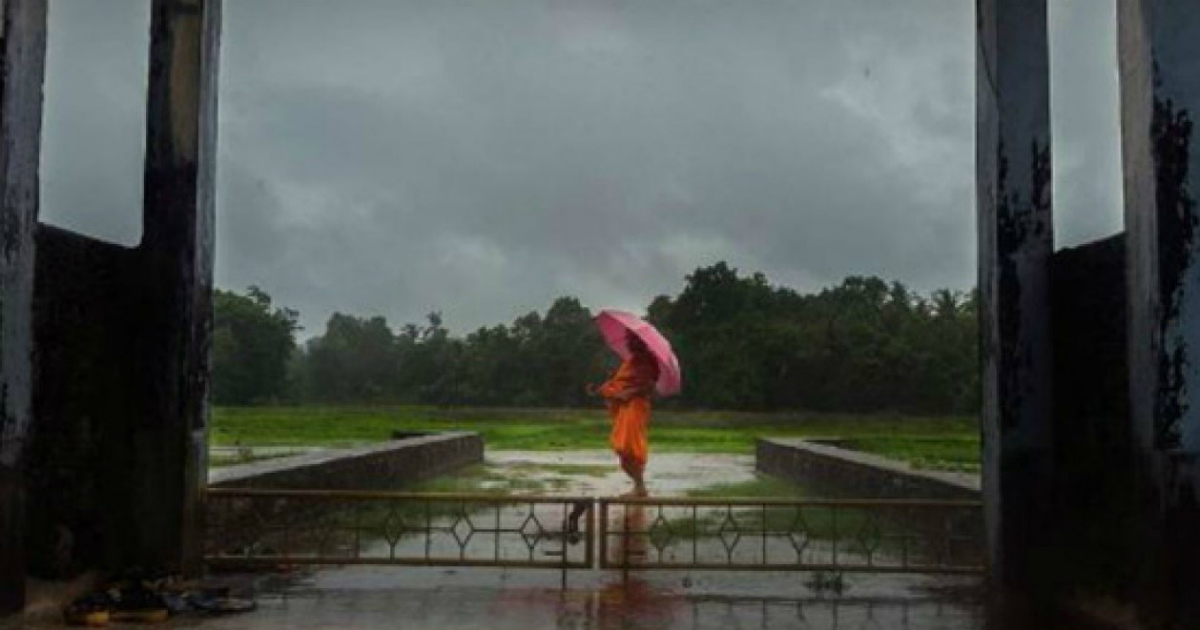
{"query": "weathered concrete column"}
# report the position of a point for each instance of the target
(1015, 246)
(22, 67)
(1159, 42)
(171, 447)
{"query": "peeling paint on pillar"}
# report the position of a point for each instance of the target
(1015, 247)
(122, 337)
(1160, 83)
(22, 68)
(1171, 133)
(1159, 51)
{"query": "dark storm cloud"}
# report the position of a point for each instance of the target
(483, 157)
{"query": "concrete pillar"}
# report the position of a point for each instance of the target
(1159, 50)
(22, 67)
(1015, 246)
(171, 451)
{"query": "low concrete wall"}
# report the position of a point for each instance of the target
(852, 473)
(386, 466)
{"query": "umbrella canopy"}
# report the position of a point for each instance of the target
(614, 324)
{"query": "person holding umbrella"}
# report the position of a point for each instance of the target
(648, 367)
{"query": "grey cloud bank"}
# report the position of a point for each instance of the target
(481, 157)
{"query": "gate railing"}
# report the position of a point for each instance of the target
(249, 527)
(257, 527)
(879, 536)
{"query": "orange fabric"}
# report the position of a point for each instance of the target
(631, 418)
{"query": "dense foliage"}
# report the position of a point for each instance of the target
(864, 345)
(252, 344)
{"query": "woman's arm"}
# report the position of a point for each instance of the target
(647, 379)
(623, 395)
(641, 386)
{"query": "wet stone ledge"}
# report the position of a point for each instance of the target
(841, 472)
(387, 466)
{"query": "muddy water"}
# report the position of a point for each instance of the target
(420, 598)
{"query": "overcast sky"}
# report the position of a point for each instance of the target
(481, 157)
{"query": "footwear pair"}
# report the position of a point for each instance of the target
(90, 610)
(128, 604)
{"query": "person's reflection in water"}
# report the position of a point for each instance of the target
(632, 602)
(631, 546)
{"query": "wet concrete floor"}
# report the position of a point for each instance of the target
(595, 473)
(421, 598)
(429, 598)
(482, 599)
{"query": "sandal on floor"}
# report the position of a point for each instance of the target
(90, 610)
(141, 605)
(91, 619)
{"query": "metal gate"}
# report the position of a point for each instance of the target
(878, 536)
(253, 527)
(248, 527)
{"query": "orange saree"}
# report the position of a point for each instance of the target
(628, 396)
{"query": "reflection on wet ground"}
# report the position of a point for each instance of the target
(420, 598)
(427, 598)
(595, 473)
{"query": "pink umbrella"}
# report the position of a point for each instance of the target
(613, 324)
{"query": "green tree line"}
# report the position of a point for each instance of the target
(863, 345)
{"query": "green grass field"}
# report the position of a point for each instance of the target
(932, 442)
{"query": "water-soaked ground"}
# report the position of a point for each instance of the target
(595, 473)
(431, 598)
(483, 599)
(421, 598)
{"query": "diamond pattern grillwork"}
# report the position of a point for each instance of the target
(730, 532)
(799, 534)
(660, 533)
(532, 531)
(462, 528)
(258, 527)
(869, 536)
(393, 527)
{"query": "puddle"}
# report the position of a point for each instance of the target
(370, 597)
(595, 473)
